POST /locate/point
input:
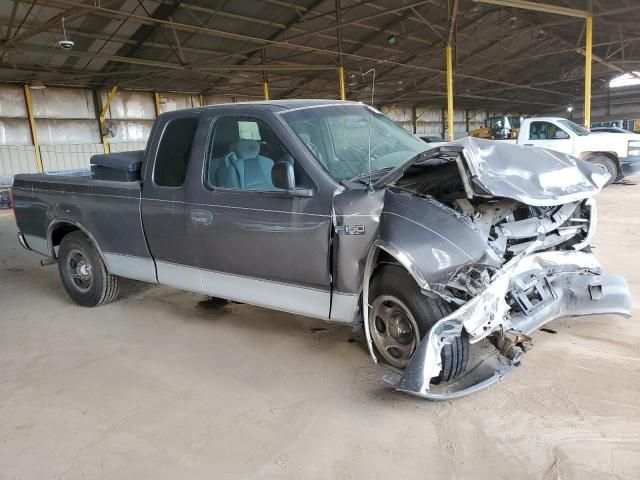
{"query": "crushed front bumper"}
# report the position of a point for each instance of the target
(530, 291)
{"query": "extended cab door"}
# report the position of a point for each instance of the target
(545, 134)
(164, 212)
(254, 242)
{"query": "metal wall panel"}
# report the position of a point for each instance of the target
(15, 131)
(217, 99)
(131, 131)
(68, 157)
(52, 132)
(177, 101)
(130, 105)
(16, 159)
(69, 103)
(127, 146)
(429, 120)
(12, 102)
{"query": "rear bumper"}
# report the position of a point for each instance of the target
(570, 284)
(629, 166)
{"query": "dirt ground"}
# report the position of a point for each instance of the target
(160, 386)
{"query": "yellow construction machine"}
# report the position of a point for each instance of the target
(504, 127)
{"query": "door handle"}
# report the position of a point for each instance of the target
(201, 217)
(528, 144)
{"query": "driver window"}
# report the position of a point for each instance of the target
(242, 154)
(546, 131)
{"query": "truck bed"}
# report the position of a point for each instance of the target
(106, 211)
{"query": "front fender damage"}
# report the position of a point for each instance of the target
(529, 291)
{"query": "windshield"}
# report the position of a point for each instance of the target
(338, 136)
(574, 127)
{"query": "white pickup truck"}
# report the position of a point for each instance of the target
(618, 153)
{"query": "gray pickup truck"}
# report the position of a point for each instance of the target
(448, 257)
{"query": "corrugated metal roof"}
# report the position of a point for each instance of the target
(502, 55)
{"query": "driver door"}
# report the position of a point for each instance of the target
(254, 242)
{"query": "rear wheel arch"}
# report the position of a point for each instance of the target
(58, 229)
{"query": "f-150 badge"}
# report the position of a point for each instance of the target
(350, 229)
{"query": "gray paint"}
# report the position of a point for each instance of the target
(431, 236)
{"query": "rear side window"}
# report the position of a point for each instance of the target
(174, 152)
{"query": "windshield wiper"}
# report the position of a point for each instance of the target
(365, 175)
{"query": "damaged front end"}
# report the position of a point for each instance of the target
(528, 292)
(507, 255)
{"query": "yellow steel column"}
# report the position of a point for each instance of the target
(103, 114)
(587, 72)
(32, 126)
(156, 103)
(265, 78)
(201, 98)
(450, 93)
(343, 93)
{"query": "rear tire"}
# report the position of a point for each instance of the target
(394, 290)
(608, 165)
(83, 273)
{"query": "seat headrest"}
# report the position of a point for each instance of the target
(245, 149)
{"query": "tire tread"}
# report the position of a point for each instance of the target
(428, 311)
(107, 285)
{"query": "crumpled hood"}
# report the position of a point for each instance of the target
(534, 176)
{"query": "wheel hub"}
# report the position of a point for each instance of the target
(80, 271)
(393, 330)
(400, 328)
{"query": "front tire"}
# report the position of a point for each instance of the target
(83, 273)
(401, 316)
(608, 165)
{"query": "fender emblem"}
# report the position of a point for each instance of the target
(350, 229)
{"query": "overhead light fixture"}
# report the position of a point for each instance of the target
(570, 108)
(37, 85)
(353, 81)
(392, 40)
(65, 44)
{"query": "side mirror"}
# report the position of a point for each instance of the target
(284, 178)
(561, 135)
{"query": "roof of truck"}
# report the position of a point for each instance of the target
(280, 104)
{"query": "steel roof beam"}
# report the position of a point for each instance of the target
(538, 7)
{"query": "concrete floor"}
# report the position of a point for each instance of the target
(159, 386)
